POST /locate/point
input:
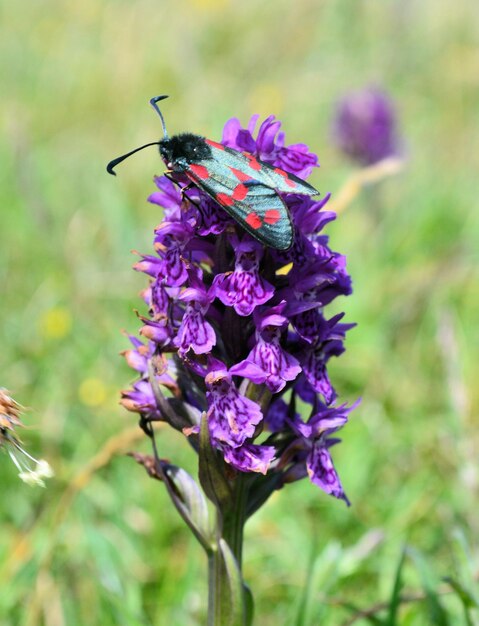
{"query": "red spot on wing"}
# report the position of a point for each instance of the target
(215, 144)
(253, 161)
(272, 216)
(199, 170)
(241, 176)
(239, 192)
(284, 174)
(224, 198)
(254, 220)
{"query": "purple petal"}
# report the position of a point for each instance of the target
(157, 331)
(297, 159)
(305, 391)
(278, 366)
(266, 134)
(232, 418)
(158, 299)
(270, 316)
(250, 370)
(277, 415)
(322, 472)
(250, 457)
(314, 368)
(140, 398)
(195, 333)
(245, 288)
(230, 132)
(252, 123)
(137, 358)
(168, 196)
(245, 141)
(308, 214)
(150, 265)
(242, 290)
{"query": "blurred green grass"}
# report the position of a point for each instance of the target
(76, 80)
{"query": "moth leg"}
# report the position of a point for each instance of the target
(182, 189)
(185, 195)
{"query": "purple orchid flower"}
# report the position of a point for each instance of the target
(232, 417)
(244, 288)
(269, 145)
(274, 366)
(194, 332)
(238, 332)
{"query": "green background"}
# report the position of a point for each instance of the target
(102, 544)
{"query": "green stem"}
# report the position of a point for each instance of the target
(224, 597)
(234, 520)
(214, 588)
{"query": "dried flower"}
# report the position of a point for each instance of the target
(238, 332)
(31, 470)
(9, 416)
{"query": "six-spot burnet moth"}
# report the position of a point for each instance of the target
(247, 188)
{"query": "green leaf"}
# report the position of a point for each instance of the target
(437, 614)
(395, 600)
(235, 598)
(466, 560)
(466, 597)
(249, 604)
(212, 470)
(190, 499)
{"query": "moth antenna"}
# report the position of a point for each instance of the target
(153, 102)
(114, 163)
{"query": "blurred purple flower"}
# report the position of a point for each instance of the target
(364, 127)
(238, 332)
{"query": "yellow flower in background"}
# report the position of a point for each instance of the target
(56, 323)
(92, 392)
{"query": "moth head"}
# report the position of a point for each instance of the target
(181, 150)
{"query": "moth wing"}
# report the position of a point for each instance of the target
(286, 182)
(268, 174)
(256, 206)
